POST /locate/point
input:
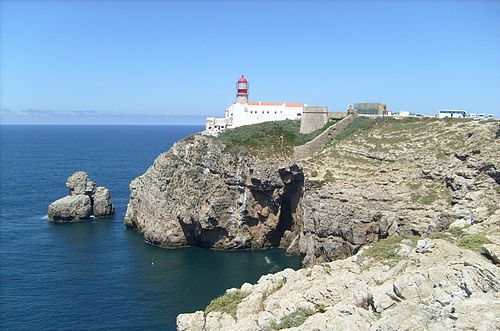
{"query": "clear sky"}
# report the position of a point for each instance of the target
(168, 62)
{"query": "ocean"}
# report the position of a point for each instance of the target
(97, 274)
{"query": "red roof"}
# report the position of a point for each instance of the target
(242, 79)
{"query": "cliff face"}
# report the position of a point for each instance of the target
(198, 194)
(398, 177)
(377, 179)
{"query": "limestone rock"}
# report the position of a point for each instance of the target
(192, 322)
(102, 207)
(79, 183)
(424, 245)
(199, 194)
(84, 200)
(446, 288)
(70, 208)
(492, 252)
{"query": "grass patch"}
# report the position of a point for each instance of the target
(474, 242)
(294, 319)
(426, 199)
(268, 138)
(385, 249)
(358, 125)
(226, 303)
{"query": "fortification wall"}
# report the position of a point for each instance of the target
(318, 143)
(336, 114)
(313, 118)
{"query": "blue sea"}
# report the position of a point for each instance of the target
(97, 274)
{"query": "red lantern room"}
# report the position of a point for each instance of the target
(242, 90)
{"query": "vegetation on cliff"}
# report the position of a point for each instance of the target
(226, 303)
(268, 138)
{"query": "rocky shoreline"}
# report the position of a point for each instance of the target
(378, 180)
(435, 286)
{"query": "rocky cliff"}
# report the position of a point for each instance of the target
(199, 194)
(377, 178)
(369, 201)
(398, 177)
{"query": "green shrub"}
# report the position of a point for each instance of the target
(294, 319)
(226, 303)
(268, 138)
(385, 249)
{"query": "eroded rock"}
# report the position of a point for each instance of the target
(84, 200)
(70, 208)
(199, 194)
(446, 288)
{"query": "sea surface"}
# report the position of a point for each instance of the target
(97, 274)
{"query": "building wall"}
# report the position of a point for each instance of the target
(336, 115)
(215, 125)
(252, 114)
(313, 118)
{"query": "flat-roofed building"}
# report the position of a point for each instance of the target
(371, 108)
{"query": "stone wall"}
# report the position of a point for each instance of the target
(318, 143)
(313, 118)
(336, 115)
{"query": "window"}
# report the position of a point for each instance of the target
(275, 112)
(299, 114)
(262, 112)
(268, 111)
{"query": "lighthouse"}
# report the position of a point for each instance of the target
(242, 90)
(244, 112)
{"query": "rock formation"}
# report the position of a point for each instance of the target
(84, 200)
(198, 194)
(437, 287)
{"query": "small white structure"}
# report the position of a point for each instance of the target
(243, 112)
(452, 113)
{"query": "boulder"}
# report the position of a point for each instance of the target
(102, 206)
(70, 208)
(492, 252)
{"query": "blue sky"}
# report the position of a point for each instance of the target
(168, 62)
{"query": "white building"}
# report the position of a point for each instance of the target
(243, 112)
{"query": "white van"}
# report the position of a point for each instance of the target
(473, 115)
(480, 116)
(490, 117)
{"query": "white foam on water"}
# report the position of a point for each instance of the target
(46, 217)
(267, 259)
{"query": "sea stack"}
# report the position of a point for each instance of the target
(83, 201)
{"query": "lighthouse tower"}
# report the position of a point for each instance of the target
(242, 90)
